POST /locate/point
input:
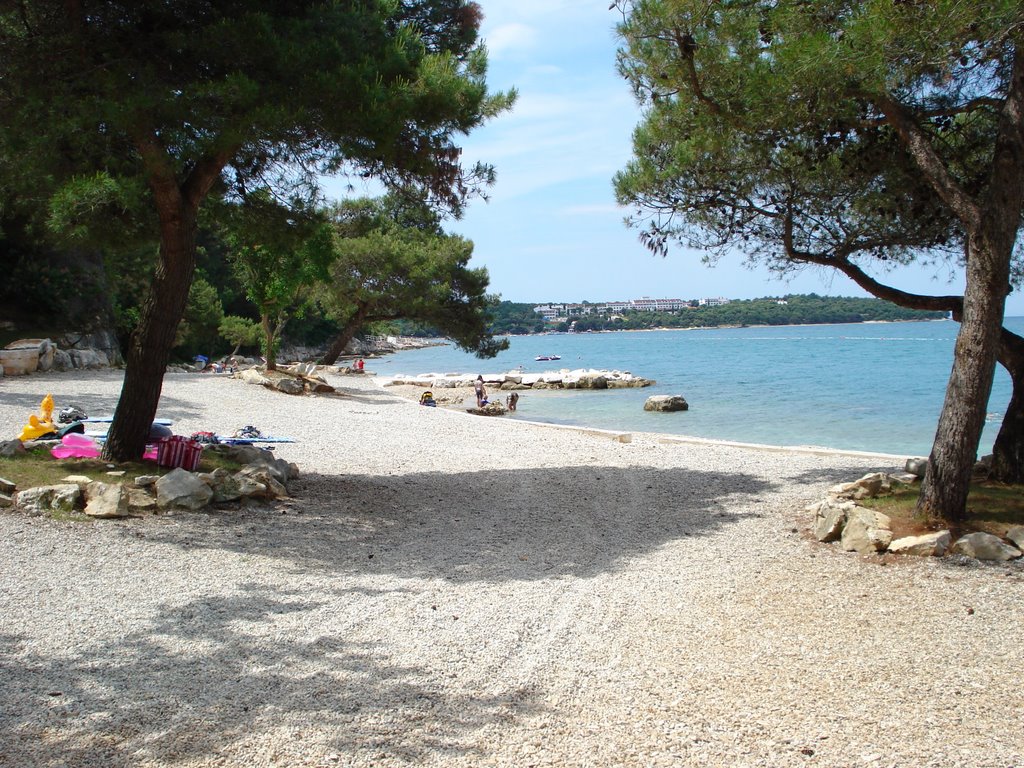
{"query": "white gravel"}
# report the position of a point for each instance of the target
(448, 590)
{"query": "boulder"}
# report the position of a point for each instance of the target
(6, 501)
(180, 488)
(1016, 535)
(985, 546)
(243, 454)
(494, 408)
(252, 376)
(141, 500)
(10, 448)
(6, 486)
(19, 361)
(105, 500)
(289, 386)
(89, 358)
(224, 485)
(916, 467)
(45, 499)
(666, 403)
(929, 545)
(867, 487)
(866, 531)
(829, 518)
(254, 476)
(62, 360)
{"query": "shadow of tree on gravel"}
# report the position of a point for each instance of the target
(133, 700)
(492, 526)
(836, 475)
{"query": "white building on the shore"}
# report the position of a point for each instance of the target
(553, 313)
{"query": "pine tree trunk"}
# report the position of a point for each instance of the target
(268, 342)
(1008, 451)
(346, 335)
(151, 343)
(947, 479)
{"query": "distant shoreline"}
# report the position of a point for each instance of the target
(722, 327)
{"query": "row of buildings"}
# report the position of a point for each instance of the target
(554, 313)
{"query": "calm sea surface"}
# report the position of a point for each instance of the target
(868, 387)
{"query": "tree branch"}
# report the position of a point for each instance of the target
(900, 118)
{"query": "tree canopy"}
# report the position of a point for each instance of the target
(144, 108)
(393, 261)
(846, 134)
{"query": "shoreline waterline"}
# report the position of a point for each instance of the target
(412, 395)
(876, 388)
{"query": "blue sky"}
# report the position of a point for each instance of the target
(551, 230)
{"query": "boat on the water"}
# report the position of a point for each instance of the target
(539, 358)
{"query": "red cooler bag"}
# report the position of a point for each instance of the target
(178, 451)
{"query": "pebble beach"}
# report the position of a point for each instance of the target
(451, 590)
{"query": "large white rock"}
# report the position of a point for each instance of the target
(830, 517)
(1016, 535)
(105, 500)
(180, 488)
(45, 499)
(866, 531)
(929, 545)
(985, 546)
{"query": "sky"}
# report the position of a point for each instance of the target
(551, 231)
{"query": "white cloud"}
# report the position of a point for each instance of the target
(514, 37)
(598, 209)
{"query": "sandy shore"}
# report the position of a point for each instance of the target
(447, 590)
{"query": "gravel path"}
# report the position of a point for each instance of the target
(446, 590)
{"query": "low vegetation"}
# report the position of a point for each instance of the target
(991, 507)
(37, 467)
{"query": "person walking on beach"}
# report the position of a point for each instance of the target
(481, 393)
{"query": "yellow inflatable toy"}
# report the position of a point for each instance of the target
(37, 426)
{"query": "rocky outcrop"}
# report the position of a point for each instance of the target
(491, 409)
(579, 378)
(838, 517)
(300, 379)
(25, 356)
(666, 403)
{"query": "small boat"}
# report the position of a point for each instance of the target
(538, 358)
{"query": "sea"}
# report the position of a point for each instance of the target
(875, 387)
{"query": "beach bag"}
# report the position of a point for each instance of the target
(178, 451)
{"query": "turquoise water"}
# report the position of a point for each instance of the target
(869, 387)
